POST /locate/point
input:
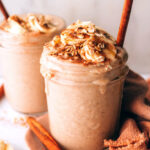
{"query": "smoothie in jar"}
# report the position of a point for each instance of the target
(21, 44)
(84, 73)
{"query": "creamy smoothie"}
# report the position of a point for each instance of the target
(84, 74)
(21, 45)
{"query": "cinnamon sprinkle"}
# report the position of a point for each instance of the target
(84, 42)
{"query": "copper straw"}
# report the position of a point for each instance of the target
(3, 10)
(124, 22)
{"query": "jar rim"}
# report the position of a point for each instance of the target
(51, 62)
(94, 82)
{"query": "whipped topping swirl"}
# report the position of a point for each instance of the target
(84, 42)
(31, 23)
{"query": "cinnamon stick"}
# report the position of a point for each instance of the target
(124, 22)
(3, 10)
(42, 134)
(1, 91)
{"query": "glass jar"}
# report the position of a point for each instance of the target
(83, 102)
(19, 62)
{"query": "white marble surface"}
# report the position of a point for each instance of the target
(11, 132)
(13, 126)
(105, 13)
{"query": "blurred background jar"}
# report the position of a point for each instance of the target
(20, 65)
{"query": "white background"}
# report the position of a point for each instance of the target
(106, 14)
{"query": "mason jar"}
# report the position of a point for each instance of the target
(84, 102)
(19, 62)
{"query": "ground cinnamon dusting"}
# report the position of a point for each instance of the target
(30, 23)
(83, 42)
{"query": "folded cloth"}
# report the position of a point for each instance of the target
(148, 92)
(134, 96)
(130, 138)
(134, 133)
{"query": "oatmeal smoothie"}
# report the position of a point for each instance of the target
(21, 45)
(84, 74)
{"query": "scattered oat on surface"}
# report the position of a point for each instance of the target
(5, 146)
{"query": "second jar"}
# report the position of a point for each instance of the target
(19, 61)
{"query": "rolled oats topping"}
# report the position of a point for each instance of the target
(83, 42)
(31, 23)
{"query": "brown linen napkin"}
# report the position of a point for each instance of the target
(135, 132)
(134, 97)
(130, 138)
